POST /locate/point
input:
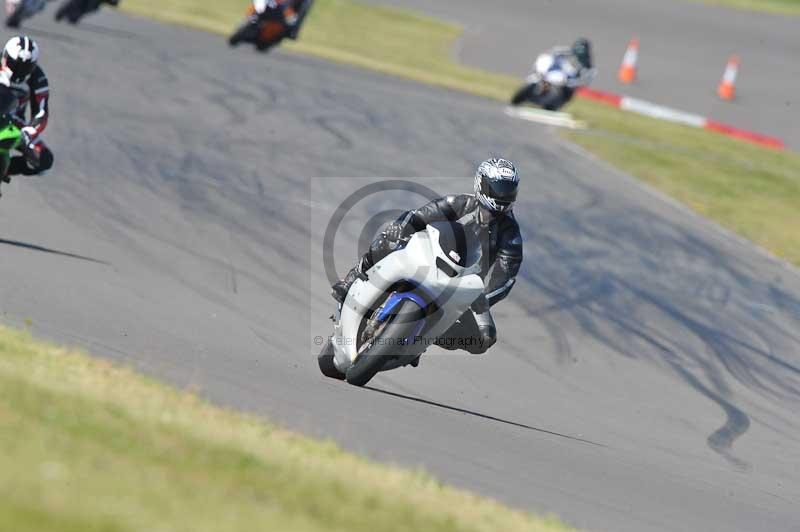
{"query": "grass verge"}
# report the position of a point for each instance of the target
(779, 7)
(751, 190)
(88, 446)
(388, 40)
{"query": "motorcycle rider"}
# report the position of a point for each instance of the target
(19, 67)
(292, 11)
(566, 68)
(75, 9)
(496, 185)
(17, 10)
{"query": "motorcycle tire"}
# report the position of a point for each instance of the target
(326, 365)
(552, 104)
(245, 33)
(402, 324)
(523, 95)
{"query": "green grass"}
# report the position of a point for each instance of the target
(388, 40)
(749, 189)
(86, 446)
(781, 7)
(752, 190)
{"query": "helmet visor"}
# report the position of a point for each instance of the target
(502, 191)
(20, 70)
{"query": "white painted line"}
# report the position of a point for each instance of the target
(662, 112)
(550, 118)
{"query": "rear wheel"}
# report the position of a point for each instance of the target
(270, 35)
(392, 338)
(326, 365)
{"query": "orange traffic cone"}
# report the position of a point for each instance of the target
(627, 72)
(727, 87)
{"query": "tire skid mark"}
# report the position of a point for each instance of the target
(324, 123)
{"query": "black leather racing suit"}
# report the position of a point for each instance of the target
(34, 94)
(475, 331)
(292, 13)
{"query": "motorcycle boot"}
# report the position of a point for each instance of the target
(342, 287)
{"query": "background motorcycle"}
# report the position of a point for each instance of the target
(19, 10)
(553, 81)
(264, 30)
(407, 302)
(74, 10)
(550, 93)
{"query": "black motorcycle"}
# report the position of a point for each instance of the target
(262, 31)
(74, 10)
(278, 20)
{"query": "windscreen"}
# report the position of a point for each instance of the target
(460, 243)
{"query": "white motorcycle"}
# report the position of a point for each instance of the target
(19, 10)
(553, 81)
(405, 303)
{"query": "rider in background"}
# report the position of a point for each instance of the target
(293, 11)
(496, 184)
(566, 68)
(575, 62)
(26, 78)
(17, 10)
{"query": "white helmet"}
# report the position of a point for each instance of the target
(20, 56)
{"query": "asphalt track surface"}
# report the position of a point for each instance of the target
(648, 373)
(683, 50)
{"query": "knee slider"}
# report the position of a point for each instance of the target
(487, 337)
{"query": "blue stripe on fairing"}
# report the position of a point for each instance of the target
(395, 299)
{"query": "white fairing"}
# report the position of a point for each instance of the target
(556, 77)
(416, 262)
(543, 63)
(558, 70)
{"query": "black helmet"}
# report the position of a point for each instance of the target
(496, 184)
(19, 57)
(583, 51)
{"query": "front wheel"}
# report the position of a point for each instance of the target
(522, 95)
(326, 365)
(392, 339)
(244, 33)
